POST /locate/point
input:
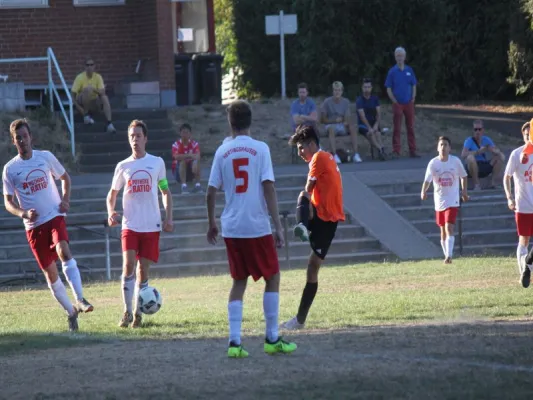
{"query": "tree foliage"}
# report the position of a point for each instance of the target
(458, 49)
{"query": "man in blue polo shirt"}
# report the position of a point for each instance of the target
(401, 88)
(303, 109)
(482, 157)
(369, 117)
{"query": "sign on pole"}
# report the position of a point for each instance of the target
(281, 25)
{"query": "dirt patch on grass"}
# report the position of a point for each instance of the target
(475, 360)
(271, 123)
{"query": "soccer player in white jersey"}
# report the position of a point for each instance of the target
(244, 168)
(30, 176)
(141, 175)
(445, 171)
(520, 169)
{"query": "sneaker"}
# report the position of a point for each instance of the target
(292, 325)
(111, 128)
(337, 159)
(525, 278)
(126, 320)
(236, 351)
(382, 156)
(73, 321)
(447, 260)
(137, 321)
(84, 306)
(197, 189)
(357, 158)
(87, 120)
(301, 232)
(279, 347)
(184, 190)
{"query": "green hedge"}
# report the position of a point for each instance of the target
(459, 49)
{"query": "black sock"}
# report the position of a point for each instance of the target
(529, 257)
(302, 211)
(308, 296)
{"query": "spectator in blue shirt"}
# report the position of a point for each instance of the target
(369, 117)
(482, 157)
(401, 88)
(303, 110)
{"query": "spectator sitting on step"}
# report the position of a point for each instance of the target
(335, 115)
(369, 117)
(303, 109)
(186, 160)
(482, 157)
(89, 97)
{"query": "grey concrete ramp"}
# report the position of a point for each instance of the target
(384, 223)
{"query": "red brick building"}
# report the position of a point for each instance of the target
(117, 34)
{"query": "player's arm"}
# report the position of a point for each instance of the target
(510, 169)
(211, 199)
(214, 184)
(111, 202)
(271, 199)
(166, 197)
(427, 182)
(362, 115)
(310, 185)
(12, 207)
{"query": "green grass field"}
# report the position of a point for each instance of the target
(445, 313)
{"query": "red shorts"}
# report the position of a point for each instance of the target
(44, 238)
(145, 244)
(447, 216)
(524, 224)
(252, 256)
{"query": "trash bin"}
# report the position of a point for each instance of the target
(208, 73)
(184, 73)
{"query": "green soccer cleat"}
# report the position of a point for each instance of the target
(236, 351)
(301, 232)
(280, 346)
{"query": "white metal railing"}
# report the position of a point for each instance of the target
(52, 89)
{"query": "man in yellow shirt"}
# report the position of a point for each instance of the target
(88, 94)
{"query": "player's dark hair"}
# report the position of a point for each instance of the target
(17, 124)
(240, 115)
(304, 134)
(137, 123)
(367, 80)
(185, 126)
(302, 85)
(446, 139)
(525, 126)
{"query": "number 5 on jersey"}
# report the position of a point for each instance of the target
(238, 163)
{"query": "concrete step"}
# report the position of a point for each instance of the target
(105, 157)
(202, 255)
(159, 145)
(470, 223)
(482, 237)
(413, 199)
(95, 244)
(145, 114)
(473, 209)
(398, 188)
(122, 125)
(103, 138)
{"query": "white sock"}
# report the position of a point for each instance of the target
(128, 287)
(138, 287)
(450, 241)
(520, 252)
(235, 321)
(443, 244)
(271, 309)
(72, 273)
(60, 294)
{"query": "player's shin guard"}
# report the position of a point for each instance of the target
(308, 296)
(138, 287)
(450, 241)
(128, 288)
(60, 294)
(302, 211)
(271, 311)
(521, 251)
(235, 321)
(72, 273)
(443, 245)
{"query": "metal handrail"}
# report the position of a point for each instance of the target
(52, 90)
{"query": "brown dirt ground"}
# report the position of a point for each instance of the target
(271, 123)
(481, 360)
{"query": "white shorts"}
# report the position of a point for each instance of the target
(340, 129)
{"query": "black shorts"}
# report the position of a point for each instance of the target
(484, 169)
(321, 234)
(363, 130)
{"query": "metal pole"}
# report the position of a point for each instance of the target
(282, 50)
(50, 82)
(107, 253)
(286, 234)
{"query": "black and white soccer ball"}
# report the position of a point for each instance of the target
(150, 300)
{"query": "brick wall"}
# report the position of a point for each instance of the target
(116, 37)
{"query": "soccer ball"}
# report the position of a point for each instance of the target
(150, 300)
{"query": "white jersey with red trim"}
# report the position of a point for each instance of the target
(446, 176)
(522, 173)
(33, 183)
(140, 202)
